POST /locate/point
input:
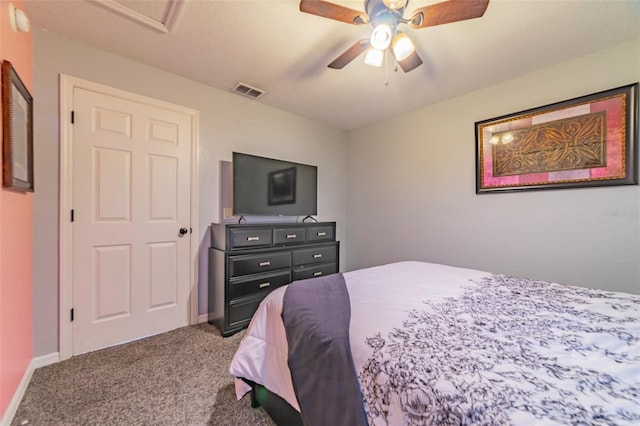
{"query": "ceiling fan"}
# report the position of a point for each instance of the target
(386, 16)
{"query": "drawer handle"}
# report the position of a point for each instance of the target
(321, 234)
(253, 238)
(267, 263)
(264, 285)
(292, 236)
(317, 274)
(317, 256)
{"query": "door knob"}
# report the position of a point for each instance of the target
(183, 231)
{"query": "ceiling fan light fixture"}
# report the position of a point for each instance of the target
(374, 57)
(402, 46)
(395, 4)
(381, 37)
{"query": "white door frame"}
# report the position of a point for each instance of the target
(67, 85)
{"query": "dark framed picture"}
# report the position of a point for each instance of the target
(282, 186)
(17, 132)
(583, 142)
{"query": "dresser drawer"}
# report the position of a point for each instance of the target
(321, 254)
(320, 233)
(242, 312)
(253, 237)
(257, 284)
(313, 271)
(260, 262)
(284, 236)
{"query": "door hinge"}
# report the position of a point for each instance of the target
(72, 313)
(191, 230)
(72, 215)
(73, 117)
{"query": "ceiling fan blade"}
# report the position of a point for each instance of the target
(448, 11)
(411, 62)
(333, 11)
(401, 46)
(350, 54)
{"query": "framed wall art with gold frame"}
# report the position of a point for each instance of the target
(583, 142)
(17, 131)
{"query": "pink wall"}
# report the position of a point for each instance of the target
(16, 335)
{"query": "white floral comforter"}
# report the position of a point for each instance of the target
(438, 345)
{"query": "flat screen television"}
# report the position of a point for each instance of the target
(270, 187)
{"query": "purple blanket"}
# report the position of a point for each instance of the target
(316, 314)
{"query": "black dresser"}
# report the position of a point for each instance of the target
(248, 261)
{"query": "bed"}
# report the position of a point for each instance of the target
(414, 343)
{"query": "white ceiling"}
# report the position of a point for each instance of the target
(271, 45)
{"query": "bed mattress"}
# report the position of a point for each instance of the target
(435, 344)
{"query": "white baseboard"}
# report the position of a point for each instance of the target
(44, 360)
(203, 318)
(37, 362)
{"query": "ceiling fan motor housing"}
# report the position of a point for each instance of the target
(379, 13)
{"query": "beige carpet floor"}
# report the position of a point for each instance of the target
(176, 378)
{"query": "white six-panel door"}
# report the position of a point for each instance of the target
(131, 219)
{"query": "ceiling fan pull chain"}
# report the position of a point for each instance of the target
(386, 67)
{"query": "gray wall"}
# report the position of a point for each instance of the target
(228, 123)
(410, 179)
(412, 190)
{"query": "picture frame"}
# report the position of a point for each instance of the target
(282, 186)
(17, 132)
(587, 141)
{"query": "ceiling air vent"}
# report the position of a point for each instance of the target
(249, 91)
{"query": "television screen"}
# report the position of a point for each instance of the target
(267, 186)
